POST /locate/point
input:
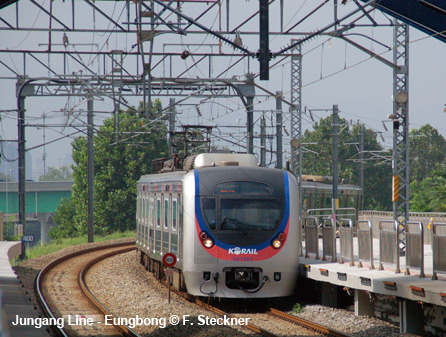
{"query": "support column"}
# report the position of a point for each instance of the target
(296, 127)
(279, 120)
(263, 142)
(401, 124)
(411, 317)
(90, 169)
(22, 172)
(45, 224)
(171, 125)
(250, 123)
(335, 202)
(1, 226)
(329, 295)
(361, 162)
(363, 306)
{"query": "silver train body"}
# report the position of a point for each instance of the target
(233, 229)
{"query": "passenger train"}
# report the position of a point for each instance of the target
(317, 193)
(232, 225)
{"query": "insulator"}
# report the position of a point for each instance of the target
(185, 54)
(65, 40)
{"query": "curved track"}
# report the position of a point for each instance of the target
(62, 293)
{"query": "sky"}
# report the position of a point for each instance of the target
(333, 72)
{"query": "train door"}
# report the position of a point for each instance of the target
(180, 223)
(166, 210)
(174, 228)
(143, 219)
(158, 225)
(151, 223)
(138, 215)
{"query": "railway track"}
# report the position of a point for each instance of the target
(300, 327)
(66, 300)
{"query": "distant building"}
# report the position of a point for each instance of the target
(67, 160)
(9, 152)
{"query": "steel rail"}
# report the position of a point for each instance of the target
(220, 312)
(126, 331)
(60, 331)
(273, 312)
(306, 324)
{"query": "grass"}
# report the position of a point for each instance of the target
(59, 244)
(297, 308)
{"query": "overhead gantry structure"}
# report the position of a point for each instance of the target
(144, 69)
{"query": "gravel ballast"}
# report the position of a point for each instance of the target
(123, 286)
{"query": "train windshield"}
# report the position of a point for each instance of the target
(242, 214)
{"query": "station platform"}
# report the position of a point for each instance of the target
(410, 289)
(14, 301)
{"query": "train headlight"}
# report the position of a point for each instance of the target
(276, 244)
(208, 243)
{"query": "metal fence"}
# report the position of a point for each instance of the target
(341, 213)
(365, 242)
(329, 239)
(311, 237)
(426, 218)
(414, 247)
(389, 251)
(438, 248)
(346, 241)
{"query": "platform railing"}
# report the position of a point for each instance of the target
(311, 236)
(328, 239)
(438, 249)
(389, 251)
(346, 240)
(365, 242)
(414, 247)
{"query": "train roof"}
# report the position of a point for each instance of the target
(319, 185)
(167, 176)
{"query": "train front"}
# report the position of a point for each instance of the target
(244, 232)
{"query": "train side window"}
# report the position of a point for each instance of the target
(146, 214)
(174, 214)
(158, 213)
(151, 211)
(138, 208)
(166, 213)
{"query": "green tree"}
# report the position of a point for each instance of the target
(318, 160)
(429, 195)
(118, 167)
(427, 152)
(57, 174)
(64, 216)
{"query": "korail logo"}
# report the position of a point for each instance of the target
(241, 251)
